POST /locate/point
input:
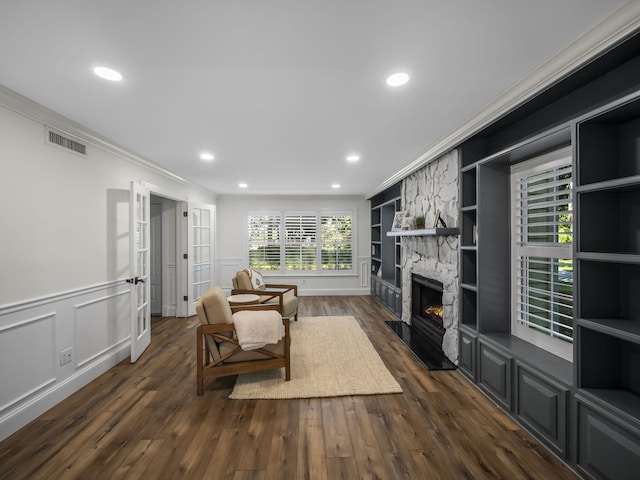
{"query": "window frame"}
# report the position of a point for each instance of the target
(319, 241)
(548, 251)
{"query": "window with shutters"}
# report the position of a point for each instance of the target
(320, 242)
(337, 242)
(263, 231)
(300, 242)
(542, 273)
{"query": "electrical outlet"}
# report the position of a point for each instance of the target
(66, 355)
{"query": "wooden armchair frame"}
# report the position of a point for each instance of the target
(207, 367)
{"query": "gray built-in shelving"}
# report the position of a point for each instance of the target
(386, 268)
(586, 411)
(608, 257)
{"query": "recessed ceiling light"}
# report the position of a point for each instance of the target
(108, 74)
(397, 79)
(353, 157)
(335, 185)
(243, 185)
(207, 156)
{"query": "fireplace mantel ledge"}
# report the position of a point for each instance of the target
(424, 232)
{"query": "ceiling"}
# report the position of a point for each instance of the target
(280, 91)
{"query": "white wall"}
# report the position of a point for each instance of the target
(64, 256)
(232, 246)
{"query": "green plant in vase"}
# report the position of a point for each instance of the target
(419, 222)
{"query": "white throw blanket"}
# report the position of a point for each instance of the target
(257, 329)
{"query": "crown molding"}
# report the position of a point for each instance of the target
(619, 25)
(34, 111)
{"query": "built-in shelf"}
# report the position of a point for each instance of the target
(425, 232)
(625, 329)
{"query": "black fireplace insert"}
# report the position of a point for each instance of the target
(424, 335)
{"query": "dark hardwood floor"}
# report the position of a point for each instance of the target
(146, 421)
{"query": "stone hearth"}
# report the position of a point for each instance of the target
(434, 187)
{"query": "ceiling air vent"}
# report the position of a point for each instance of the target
(57, 138)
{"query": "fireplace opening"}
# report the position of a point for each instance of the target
(425, 334)
(426, 299)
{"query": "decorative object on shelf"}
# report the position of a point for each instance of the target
(407, 222)
(397, 221)
(439, 220)
(475, 235)
(419, 222)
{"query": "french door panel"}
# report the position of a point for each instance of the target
(139, 264)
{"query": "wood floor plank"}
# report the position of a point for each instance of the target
(367, 452)
(342, 468)
(312, 459)
(256, 449)
(283, 456)
(145, 421)
(337, 440)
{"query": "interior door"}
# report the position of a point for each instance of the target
(139, 259)
(155, 270)
(200, 237)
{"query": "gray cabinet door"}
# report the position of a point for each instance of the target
(541, 404)
(494, 374)
(608, 448)
(468, 361)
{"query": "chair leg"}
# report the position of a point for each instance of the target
(287, 352)
(200, 360)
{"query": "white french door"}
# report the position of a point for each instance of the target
(139, 260)
(200, 236)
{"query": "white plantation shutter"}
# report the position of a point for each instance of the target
(300, 245)
(545, 298)
(544, 199)
(337, 242)
(263, 232)
(316, 241)
(542, 195)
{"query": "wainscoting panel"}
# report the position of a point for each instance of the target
(92, 324)
(364, 264)
(101, 325)
(355, 282)
(27, 349)
(227, 269)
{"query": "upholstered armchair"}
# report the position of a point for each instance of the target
(220, 351)
(250, 281)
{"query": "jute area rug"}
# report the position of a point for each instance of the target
(330, 357)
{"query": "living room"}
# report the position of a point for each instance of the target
(65, 316)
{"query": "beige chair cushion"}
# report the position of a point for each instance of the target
(248, 279)
(226, 347)
(289, 300)
(213, 307)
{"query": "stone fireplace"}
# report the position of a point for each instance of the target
(433, 187)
